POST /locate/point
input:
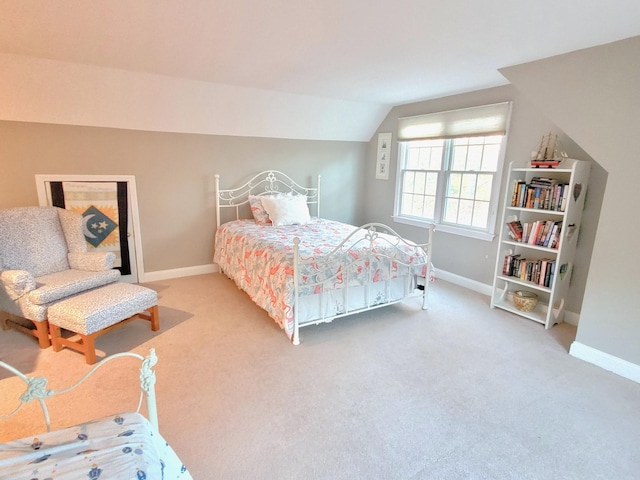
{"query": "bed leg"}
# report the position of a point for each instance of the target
(427, 278)
(425, 291)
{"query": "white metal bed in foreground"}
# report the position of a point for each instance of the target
(122, 446)
(319, 270)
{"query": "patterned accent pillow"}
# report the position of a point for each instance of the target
(257, 209)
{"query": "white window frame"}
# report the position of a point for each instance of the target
(487, 234)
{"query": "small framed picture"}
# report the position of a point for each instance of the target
(383, 157)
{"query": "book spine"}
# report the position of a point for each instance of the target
(543, 271)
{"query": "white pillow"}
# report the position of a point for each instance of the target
(287, 210)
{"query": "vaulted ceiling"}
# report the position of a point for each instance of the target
(348, 54)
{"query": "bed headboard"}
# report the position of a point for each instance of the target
(264, 183)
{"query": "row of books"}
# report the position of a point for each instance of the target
(540, 193)
(544, 233)
(538, 271)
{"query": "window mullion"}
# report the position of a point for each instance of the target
(443, 179)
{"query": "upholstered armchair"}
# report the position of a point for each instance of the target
(44, 259)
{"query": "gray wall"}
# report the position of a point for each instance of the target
(467, 257)
(590, 95)
(593, 95)
(174, 176)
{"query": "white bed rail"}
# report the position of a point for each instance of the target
(373, 239)
(263, 183)
(37, 386)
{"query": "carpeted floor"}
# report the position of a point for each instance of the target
(460, 391)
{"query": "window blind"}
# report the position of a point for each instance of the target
(465, 122)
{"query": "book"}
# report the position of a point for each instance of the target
(551, 273)
(515, 230)
(511, 264)
(543, 271)
(517, 188)
(554, 241)
(535, 232)
(545, 232)
(505, 265)
(548, 276)
(564, 198)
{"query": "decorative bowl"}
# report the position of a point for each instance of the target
(525, 301)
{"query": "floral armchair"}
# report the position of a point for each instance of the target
(44, 259)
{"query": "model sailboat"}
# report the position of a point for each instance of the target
(549, 153)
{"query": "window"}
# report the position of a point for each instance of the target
(448, 177)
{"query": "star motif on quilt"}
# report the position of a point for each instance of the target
(98, 225)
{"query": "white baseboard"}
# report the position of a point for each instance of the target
(482, 288)
(178, 272)
(604, 360)
(569, 317)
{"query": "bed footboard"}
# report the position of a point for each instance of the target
(36, 387)
(371, 260)
(122, 445)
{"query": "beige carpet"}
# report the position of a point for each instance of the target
(457, 392)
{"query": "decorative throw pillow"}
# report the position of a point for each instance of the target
(257, 209)
(291, 210)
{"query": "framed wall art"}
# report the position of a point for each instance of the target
(383, 157)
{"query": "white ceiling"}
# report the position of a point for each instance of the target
(379, 52)
(389, 52)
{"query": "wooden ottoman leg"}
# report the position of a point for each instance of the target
(42, 333)
(155, 321)
(89, 345)
(55, 337)
(151, 314)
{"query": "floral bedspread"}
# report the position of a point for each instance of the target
(121, 447)
(259, 258)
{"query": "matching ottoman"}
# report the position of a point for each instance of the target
(95, 312)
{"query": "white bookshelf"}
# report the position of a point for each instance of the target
(575, 174)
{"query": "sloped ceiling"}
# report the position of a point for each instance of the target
(326, 69)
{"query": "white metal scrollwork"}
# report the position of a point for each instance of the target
(371, 236)
(36, 389)
(271, 180)
(37, 386)
(147, 375)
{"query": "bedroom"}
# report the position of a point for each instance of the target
(49, 137)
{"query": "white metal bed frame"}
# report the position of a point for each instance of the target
(37, 387)
(271, 181)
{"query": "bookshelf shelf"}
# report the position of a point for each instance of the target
(542, 171)
(550, 251)
(528, 285)
(520, 264)
(540, 211)
(537, 315)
